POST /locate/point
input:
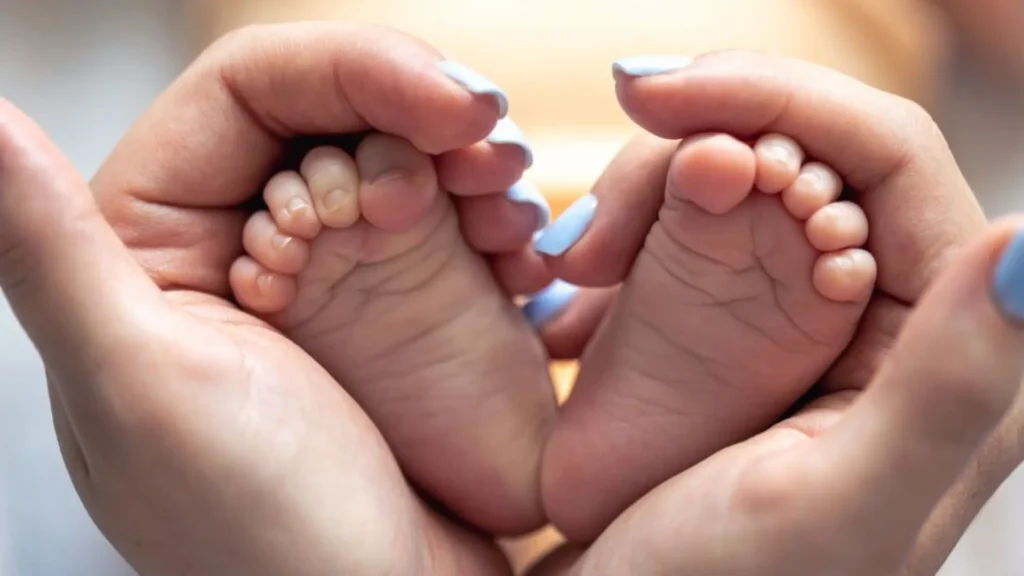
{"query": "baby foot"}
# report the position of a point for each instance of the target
(360, 261)
(750, 284)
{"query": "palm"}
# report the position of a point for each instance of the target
(261, 431)
(761, 507)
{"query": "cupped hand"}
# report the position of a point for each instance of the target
(200, 440)
(846, 485)
(894, 473)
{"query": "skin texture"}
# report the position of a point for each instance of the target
(920, 208)
(815, 494)
(203, 443)
(401, 310)
(721, 324)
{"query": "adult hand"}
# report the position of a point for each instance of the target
(845, 486)
(921, 212)
(200, 440)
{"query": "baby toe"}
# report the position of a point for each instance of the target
(258, 289)
(715, 172)
(291, 206)
(333, 180)
(846, 276)
(398, 183)
(778, 162)
(837, 226)
(272, 248)
(816, 186)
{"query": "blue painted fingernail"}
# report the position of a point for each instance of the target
(1009, 280)
(547, 304)
(475, 82)
(507, 132)
(639, 66)
(525, 192)
(568, 228)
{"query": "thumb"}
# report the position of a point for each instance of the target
(955, 372)
(69, 279)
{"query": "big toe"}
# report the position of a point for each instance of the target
(715, 172)
(398, 183)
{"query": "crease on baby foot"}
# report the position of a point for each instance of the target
(755, 268)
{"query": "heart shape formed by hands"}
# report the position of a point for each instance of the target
(205, 441)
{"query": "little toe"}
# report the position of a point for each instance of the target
(258, 289)
(846, 276)
(333, 181)
(778, 162)
(837, 226)
(271, 247)
(816, 186)
(715, 172)
(398, 183)
(291, 205)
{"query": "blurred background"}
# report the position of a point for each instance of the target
(85, 70)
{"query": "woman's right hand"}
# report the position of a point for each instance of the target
(885, 470)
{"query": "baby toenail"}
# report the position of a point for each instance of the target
(782, 149)
(567, 230)
(507, 132)
(652, 65)
(1009, 278)
(336, 199)
(547, 304)
(475, 82)
(280, 241)
(265, 284)
(525, 192)
(295, 206)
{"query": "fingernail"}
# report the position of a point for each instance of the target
(1009, 280)
(639, 66)
(525, 192)
(507, 132)
(547, 304)
(475, 82)
(567, 230)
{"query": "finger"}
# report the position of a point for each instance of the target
(565, 315)
(594, 242)
(499, 223)
(567, 331)
(954, 373)
(495, 164)
(215, 135)
(886, 148)
(69, 279)
(521, 272)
